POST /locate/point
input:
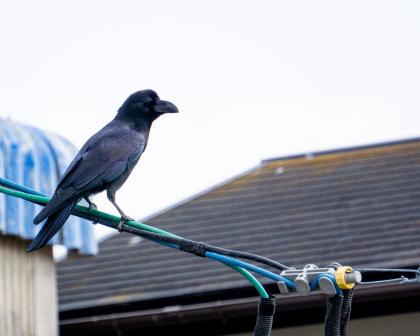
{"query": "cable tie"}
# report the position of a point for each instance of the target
(198, 248)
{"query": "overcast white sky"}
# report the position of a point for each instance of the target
(252, 80)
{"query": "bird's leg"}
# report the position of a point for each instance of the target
(91, 206)
(124, 217)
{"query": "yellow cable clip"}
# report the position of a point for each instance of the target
(340, 277)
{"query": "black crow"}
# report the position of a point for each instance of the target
(104, 162)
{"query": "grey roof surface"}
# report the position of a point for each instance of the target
(358, 206)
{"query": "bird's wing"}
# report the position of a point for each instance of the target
(102, 162)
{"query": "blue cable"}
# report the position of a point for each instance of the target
(19, 187)
(239, 263)
(210, 255)
(250, 267)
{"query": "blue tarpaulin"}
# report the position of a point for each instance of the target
(37, 159)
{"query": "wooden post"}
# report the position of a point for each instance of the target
(28, 294)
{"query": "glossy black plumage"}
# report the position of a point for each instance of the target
(104, 162)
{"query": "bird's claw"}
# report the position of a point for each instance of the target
(92, 206)
(123, 220)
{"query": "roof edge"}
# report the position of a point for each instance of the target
(343, 149)
(369, 293)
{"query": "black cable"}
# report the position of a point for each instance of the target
(338, 307)
(186, 245)
(248, 256)
(199, 248)
(266, 310)
(373, 276)
(337, 315)
(333, 316)
(346, 310)
(189, 245)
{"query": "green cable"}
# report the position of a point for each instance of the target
(257, 285)
(260, 289)
(44, 200)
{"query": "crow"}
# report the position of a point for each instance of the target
(103, 163)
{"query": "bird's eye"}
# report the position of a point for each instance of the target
(149, 102)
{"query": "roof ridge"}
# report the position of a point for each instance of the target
(343, 149)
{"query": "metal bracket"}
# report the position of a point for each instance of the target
(304, 279)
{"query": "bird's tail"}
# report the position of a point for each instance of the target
(55, 204)
(54, 223)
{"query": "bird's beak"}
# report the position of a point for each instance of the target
(163, 106)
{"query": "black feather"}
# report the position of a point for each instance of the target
(51, 227)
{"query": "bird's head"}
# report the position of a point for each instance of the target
(146, 105)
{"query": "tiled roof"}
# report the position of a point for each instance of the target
(358, 206)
